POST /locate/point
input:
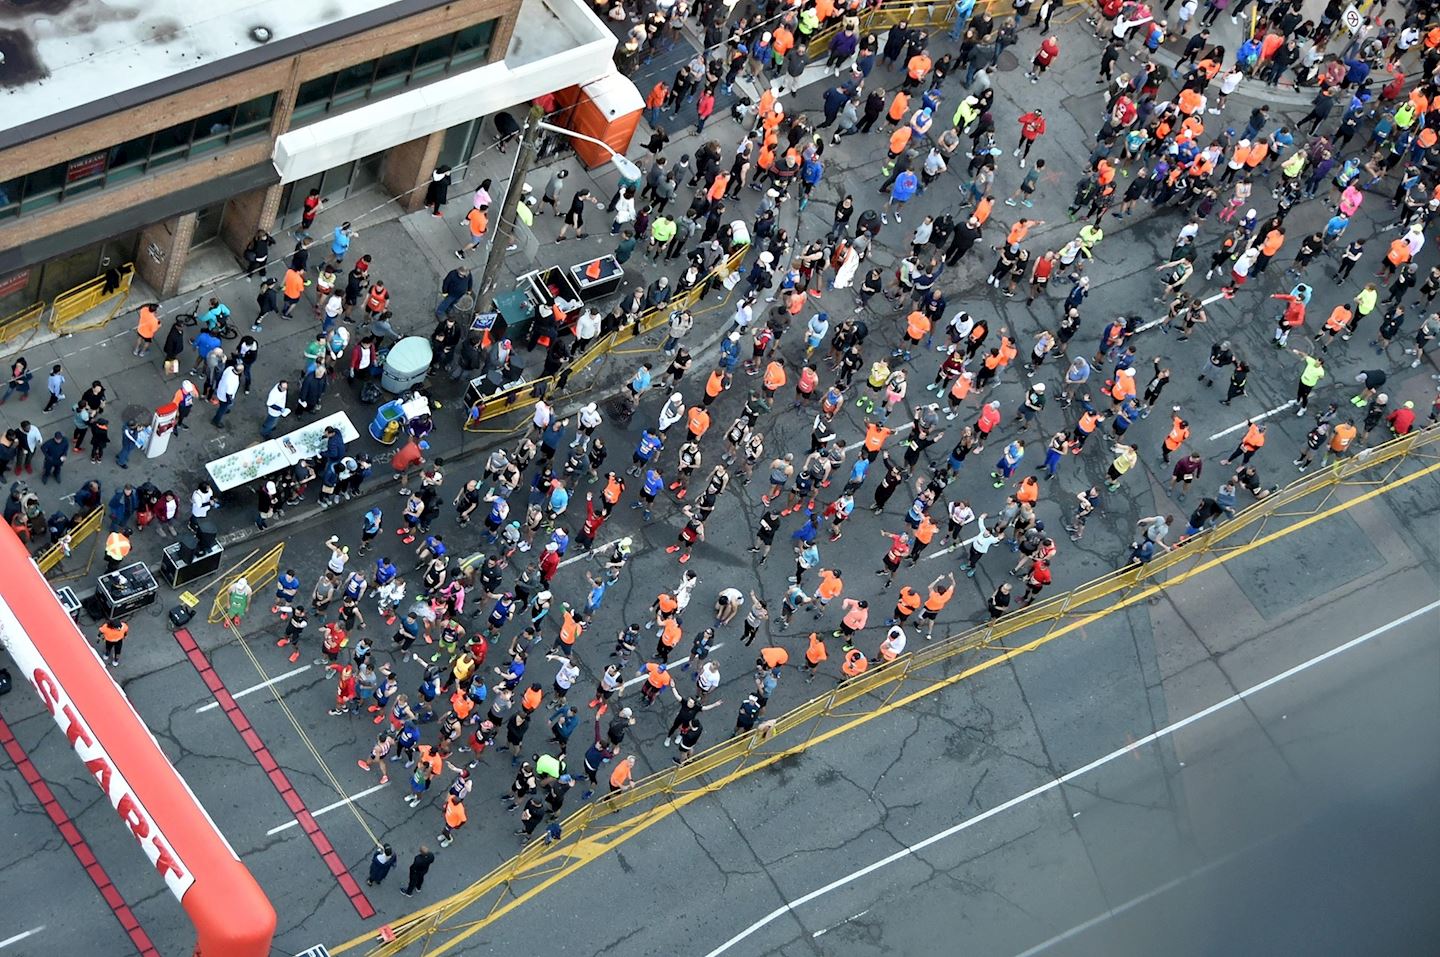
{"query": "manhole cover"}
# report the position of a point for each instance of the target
(1007, 62)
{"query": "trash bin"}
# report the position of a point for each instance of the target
(389, 420)
(407, 364)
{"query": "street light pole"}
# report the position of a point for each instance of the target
(505, 226)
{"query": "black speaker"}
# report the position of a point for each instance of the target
(5, 681)
(205, 535)
(180, 616)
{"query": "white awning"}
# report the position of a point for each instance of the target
(556, 44)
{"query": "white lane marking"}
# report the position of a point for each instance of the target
(327, 809)
(254, 688)
(590, 553)
(1133, 902)
(1064, 779)
(1156, 322)
(1254, 418)
(950, 548)
(822, 933)
(19, 937)
(670, 667)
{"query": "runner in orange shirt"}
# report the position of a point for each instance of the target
(1253, 441)
(146, 326)
(815, 656)
(775, 378)
(697, 423)
(924, 535)
(657, 679)
(830, 588)
(936, 601)
(1179, 434)
(907, 603)
(621, 779)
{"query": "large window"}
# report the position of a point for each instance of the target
(134, 158)
(379, 78)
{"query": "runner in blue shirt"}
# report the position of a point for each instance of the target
(901, 192)
(385, 572)
(654, 482)
(645, 450)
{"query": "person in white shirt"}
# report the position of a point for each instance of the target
(708, 679)
(744, 314)
(277, 406)
(590, 420)
(541, 417)
(683, 591)
(202, 500)
(565, 677)
(727, 605)
(587, 328)
(892, 646)
(225, 391)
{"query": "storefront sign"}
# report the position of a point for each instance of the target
(14, 283)
(85, 167)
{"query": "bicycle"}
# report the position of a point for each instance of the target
(223, 328)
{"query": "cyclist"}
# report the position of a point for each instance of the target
(216, 316)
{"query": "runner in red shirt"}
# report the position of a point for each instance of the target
(899, 549)
(1032, 127)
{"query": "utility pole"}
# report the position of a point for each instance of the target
(505, 226)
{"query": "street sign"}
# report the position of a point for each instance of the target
(319, 950)
(1352, 19)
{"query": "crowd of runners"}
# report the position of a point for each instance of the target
(456, 643)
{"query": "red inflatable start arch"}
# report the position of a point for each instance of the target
(232, 915)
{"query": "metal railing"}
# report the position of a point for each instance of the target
(67, 314)
(595, 827)
(259, 574)
(21, 323)
(55, 554)
(525, 394)
(882, 16)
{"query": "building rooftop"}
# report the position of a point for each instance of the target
(65, 62)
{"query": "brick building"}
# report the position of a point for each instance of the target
(142, 133)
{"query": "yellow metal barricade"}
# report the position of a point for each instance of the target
(22, 323)
(259, 574)
(70, 306)
(524, 395)
(58, 552)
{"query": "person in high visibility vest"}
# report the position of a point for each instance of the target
(454, 819)
(112, 634)
(117, 546)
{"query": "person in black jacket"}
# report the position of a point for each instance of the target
(895, 43)
(453, 287)
(419, 867)
(265, 301)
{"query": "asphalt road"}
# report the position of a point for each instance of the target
(1294, 819)
(903, 777)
